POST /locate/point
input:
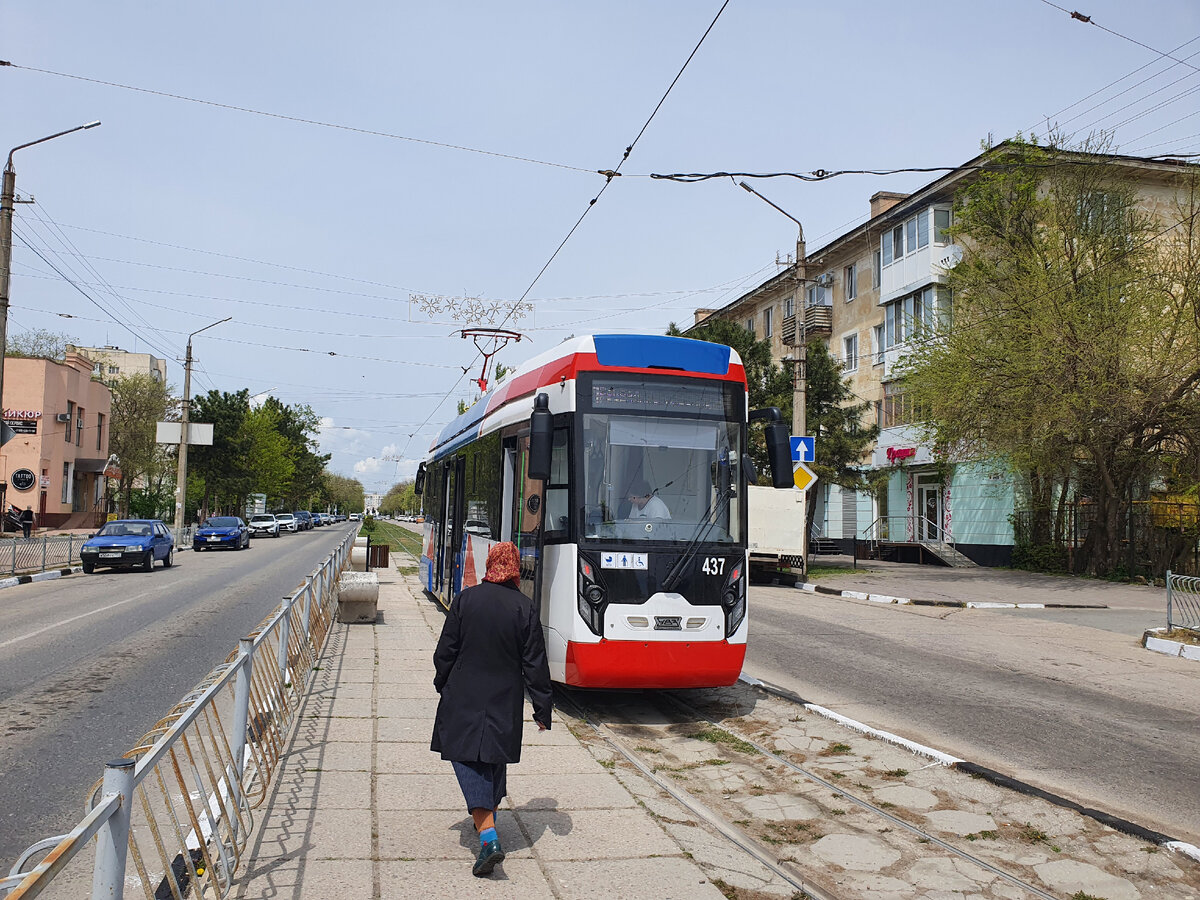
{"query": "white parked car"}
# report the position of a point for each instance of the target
(264, 523)
(287, 522)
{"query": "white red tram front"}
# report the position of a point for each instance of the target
(635, 544)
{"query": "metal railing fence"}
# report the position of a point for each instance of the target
(907, 528)
(176, 811)
(25, 556)
(1183, 601)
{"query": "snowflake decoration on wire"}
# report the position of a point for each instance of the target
(471, 310)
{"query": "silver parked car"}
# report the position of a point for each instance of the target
(287, 522)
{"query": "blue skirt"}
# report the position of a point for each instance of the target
(483, 785)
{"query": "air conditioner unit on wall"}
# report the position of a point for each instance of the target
(63, 417)
(825, 280)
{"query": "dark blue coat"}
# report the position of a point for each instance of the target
(491, 650)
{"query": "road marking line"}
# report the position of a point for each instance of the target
(32, 634)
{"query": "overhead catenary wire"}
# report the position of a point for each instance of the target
(1088, 20)
(301, 120)
(610, 175)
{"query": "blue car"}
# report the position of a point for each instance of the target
(222, 531)
(127, 544)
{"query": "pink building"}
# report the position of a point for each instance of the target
(55, 462)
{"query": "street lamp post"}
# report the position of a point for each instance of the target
(185, 416)
(8, 197)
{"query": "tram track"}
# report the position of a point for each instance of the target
(620, 723)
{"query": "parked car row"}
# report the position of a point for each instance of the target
(139, 543)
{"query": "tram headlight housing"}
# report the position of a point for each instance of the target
(593, 597)
(733, 599)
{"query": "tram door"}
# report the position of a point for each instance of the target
(453, 524)
(523, 507)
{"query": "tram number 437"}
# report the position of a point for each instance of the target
(713, 565)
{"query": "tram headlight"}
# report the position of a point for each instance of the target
(733, 600)
(592, 597)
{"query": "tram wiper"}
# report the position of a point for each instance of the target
(702, 529)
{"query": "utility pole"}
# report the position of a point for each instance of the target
(8, 196)
(185, 411)
(800, 360)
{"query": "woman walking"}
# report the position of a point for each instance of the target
(491, 651)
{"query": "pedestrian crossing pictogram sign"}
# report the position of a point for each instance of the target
(803, 476)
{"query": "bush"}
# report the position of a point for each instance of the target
(1039, 558)
(368, 523)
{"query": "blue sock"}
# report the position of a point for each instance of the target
(486, 836)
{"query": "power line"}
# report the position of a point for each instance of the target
(298, 119)
(1087, 20)
(610, 175)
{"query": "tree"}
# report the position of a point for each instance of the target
(400, 498)
(38, 342)
(139, 402)
(268, 463)
(767, 382)
(1072, 354)
(346, 494)
(223, 467)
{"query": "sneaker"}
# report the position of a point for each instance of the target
(489, 855)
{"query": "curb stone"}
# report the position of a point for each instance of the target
(957, 604)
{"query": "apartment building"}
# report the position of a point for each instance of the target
(113, 362)
(867, 294)
(55, 461)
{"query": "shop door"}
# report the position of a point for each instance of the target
(929, 508)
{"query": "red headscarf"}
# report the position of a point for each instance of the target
(503, 564)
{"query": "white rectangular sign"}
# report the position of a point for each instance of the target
(610, 559)
(198, 433)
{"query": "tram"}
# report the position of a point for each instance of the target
(618, 465)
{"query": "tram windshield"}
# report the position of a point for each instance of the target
(664, 465)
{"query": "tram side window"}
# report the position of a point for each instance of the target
(482, 481)
(558, 509)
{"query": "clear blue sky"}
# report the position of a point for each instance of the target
(175, 214)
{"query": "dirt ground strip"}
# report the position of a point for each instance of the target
(839, 846)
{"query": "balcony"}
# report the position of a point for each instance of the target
(818, 322)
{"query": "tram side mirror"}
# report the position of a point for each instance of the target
(750, 469)
(419, 486)
(541, 439)
(779, 453)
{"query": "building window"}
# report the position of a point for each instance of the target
(941, 225)
(896, 409)
(99, 430)
(850, 279)
(70, 417)
(877, 348)
(767, 323)
(750, 324)
(877, 271)
(917, 315)
(850, 353)
(114, 370)
(66, 479)
(908, 237)
(788, 306)
(79, 426)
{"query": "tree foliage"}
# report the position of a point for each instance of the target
(139, 402)
(38, 343)
(401, 498)
(1073, 350)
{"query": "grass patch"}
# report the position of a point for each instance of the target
(895, 773)
(720, 736)
(1183, 635)
(400, 540)
(608, 763)
(815, 572)
(837, 748)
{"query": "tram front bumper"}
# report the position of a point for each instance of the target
(654, 664)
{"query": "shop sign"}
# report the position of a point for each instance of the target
(44, 480)
(22, 421)
(895, 454)
(22, 479)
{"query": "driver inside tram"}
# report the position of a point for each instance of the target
(645, 504)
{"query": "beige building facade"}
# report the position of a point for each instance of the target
(55, 461)
(867, 294)
(112, 362)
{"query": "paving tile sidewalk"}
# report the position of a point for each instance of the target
(361, 808)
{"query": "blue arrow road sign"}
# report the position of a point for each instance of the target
(804, 449)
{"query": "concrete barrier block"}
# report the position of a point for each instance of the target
(358, 559)
(358, 597)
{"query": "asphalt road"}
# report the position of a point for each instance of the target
(1073, 706)
(89, 663)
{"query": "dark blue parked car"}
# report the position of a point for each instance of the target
(222, 531)
(129, 543)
